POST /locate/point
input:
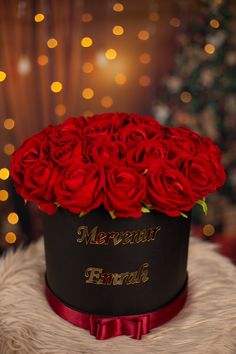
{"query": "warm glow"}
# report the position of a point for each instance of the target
(88, 113)
(111, 54)
(42, 60)
(175, 22)
(52, 43)
(3, 195)
(209, 48)
(86, 42)
(13, 218)
(9, 123)
(87, 17)
(154, 16)
(145, 58)
(120, 79)
(56, 86)
(208, 230)
(107, 101)
(4, 173)
(9, 149)
(87, 68)
(118, 30)
(144, 80)
(60, 109)
(39, 17)
(87, 93)
(214, 23)
(10, 237)
(143, 35)
(3, 76)
(185, 96)
(118, 7)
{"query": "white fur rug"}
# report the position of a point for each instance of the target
(207, 324)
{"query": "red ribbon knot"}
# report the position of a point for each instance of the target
(107, 327)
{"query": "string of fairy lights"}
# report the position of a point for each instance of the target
(120, 78)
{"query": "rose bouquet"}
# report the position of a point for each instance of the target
(129, 163)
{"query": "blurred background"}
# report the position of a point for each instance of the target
(173, 60)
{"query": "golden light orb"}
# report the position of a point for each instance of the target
(208, 230)
(110, 54)
(39, 17)
(56, 86)
(185, 96)
(60, 109)
(87, 93)
(209, 48)
(86, 42)
(52, 43)
(42, 59)
(175, 22)
(10, 237)
(145, 58)
(154, 16)
(144, 80)
(117, 30)
(107, 101)
(87, 67)
(13, 218)
(3, 195)
(214, 23)
(120, 79)
(9, 123)
(9, 149)
(3, 75)
(86, 17)
(118, 7)
(4, 173)
(143, 35)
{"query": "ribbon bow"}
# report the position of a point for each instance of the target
(107, 327)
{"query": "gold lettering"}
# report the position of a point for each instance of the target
(84, 235)
(93, 274)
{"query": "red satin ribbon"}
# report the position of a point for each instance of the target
(107, 327)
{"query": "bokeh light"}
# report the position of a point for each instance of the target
(120, 79)
(209, 48)
(185, 96)
(3, 195)
(39, 17)
(13, 218)
(117, 30)
(86, 17)
(56, 86)
(154, 16)
(10, 237)
(143, 35)
(88, 113)
(214, 23)
(4, 173)
(9, 149)
(208, 230)
(52, 43)
(3, 75)
(60, 109)
(110, 54)
(9, 123)
(144, 80)
(87, 93)
(86, 42)
(42, 59)
(175, 22)
(118, 7)
(107, 101)
(87, 67)
(145, 58)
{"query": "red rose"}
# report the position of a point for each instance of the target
(79, 123)
(132, 134)
(206, 146)
(168, 190)
(103, 125)
(136, 119)
(80, 187)
(38, 185)
(125, 190)
(204, 173)
(147, 152)
(104, 151)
